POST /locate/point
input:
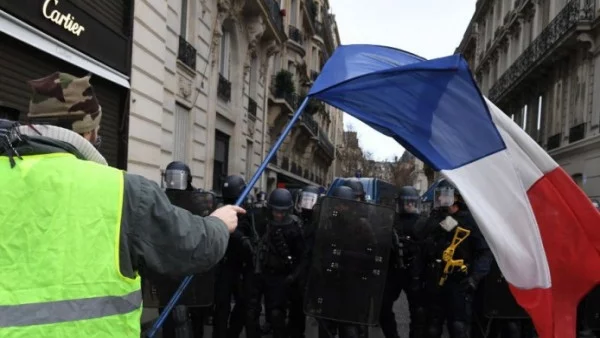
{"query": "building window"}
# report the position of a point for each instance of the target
(253, 78)
(249, 160)
(221, 160)
(578, 178)
(184, 19)
(539, 118)
(293, 12)
(181, 133)
(524, 124)
(225, 60)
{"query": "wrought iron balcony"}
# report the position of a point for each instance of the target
(295, 35)
(553, 141)
(310, 123)
(252, 107)
(186, 53)
(325, 143)
(275, 13)
(224, 89)
(561, 26)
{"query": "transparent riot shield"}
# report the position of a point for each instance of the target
(349, 262)
(158, 289)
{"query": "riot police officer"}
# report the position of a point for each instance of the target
(297, 319)
(229, 323)
(457, 258)
(280, 251)
(405, 267)
(331, 328)
(357, 189)
(183, 321)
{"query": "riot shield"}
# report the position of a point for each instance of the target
(498, 301)
(158, 289)
(349, 261)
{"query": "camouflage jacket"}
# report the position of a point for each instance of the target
(155, 235)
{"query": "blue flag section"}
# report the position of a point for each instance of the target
(433, 108)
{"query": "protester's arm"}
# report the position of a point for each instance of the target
(165, 239)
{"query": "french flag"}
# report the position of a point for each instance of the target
(543, 230)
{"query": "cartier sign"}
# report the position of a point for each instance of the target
(66, 21)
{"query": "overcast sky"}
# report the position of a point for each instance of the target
(429, 28)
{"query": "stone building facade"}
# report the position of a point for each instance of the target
(308, 156)
(539, 61)
(202, 88)
(198, 85)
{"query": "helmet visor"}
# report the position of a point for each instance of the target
(408, 205)
(176, 179)
(308, 200)
(444, 197)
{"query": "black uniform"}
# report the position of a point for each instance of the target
(229, 323)
(278, 266)
(184, 321)
(404, 273)
(452, 301)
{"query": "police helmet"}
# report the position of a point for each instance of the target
(178, 176)
(343, 192)
(281, 200)
(357, 188)
(408, 200)
(232, 188)
(309, 197)
(446, 195)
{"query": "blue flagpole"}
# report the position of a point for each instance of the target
(159, 322)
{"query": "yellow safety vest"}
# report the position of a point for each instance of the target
(60, 220)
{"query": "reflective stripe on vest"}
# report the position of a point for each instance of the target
(60, 224)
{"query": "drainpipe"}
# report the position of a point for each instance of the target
(267, 83)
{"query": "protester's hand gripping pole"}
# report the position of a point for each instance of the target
(159, 322)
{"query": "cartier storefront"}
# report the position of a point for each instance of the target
(39, 37)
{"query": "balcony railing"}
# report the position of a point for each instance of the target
(310, 123)
(275, 13)
(562, 25)
(186, 53)
(295, 35)
(327, 145)
(252, 107)
(224, 89)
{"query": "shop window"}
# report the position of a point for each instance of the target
(181, 134)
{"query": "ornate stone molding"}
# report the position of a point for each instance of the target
(255, 30)
(185, 87)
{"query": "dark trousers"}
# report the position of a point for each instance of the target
(399, 280)
(228, 323)
(452, 304)
(274, 290)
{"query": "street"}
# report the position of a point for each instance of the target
(400, 308)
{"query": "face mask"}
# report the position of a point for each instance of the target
(448, 223)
